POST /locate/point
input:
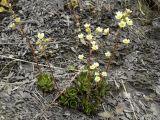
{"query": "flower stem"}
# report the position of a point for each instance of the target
(20, 29)
(89, 61)
(115, 46)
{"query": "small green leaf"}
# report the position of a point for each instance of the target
(72, 92)
(45, 82)
(2, 9)
(85, 95)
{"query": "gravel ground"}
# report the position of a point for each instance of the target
(137, 67)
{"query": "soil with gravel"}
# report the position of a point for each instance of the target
(138, 65)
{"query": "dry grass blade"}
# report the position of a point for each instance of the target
(124, 87)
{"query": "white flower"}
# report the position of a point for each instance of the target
(122, 24)
(129, 22)
(119, 15)
(12, 25)
(88, 30)
(81, 57)
(99, 29)
(128, 11)
(94, 65)
(96, 73)
(93, 42)
(87, 25)
(97, 79)
(81, 36)
(94, 47)
(106, 31)
(108, 54)
(17, 19)
(104, 74)
(126, 41)
(89, 37)
(126, 19)
(40, 35)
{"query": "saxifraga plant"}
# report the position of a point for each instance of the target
(91, 86)
(45, 81)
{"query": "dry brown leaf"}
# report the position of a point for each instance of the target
(127, 95)
(105, 114)
(147, 98)
(119, 108)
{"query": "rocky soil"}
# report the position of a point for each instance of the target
(137, 67)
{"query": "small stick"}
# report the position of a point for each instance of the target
(16, 59)
(6, 66)
(129, 100)
(31, 46)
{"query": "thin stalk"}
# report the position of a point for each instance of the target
(76, 18)
(89, 70)
(89, 60)
(27, 39)
(115, 46)
(31, 46)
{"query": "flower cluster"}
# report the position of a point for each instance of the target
(94, 45)
(124, 19)
(16, 22)
(87, 28)
(94, 66)
(90, 39)
(42, 41)
(99, 75)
